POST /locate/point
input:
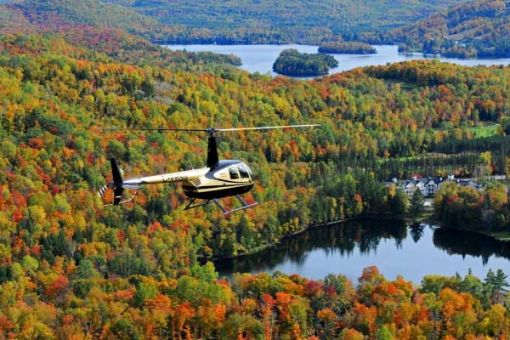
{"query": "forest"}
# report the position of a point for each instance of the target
(256, 22)
(466, 208)
(453, 28)
(475, 29)
(291, 62)
(230, 22)
(351, 47)
(71, 266)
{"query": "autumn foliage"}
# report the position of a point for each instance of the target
(72, 267)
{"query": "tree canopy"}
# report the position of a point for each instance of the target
(291, 62)
(73, 266)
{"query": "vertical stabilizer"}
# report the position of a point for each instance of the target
(117, 177)
(117, 184)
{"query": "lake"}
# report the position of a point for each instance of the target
(392, 246)
(260, 58)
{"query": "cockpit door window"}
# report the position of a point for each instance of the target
(243, 171)
(233, 173)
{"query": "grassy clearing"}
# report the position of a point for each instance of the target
(482, 131)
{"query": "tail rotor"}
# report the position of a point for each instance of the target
(102, 190)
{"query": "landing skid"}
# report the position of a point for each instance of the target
(216, 201)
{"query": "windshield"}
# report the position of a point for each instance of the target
(244, 171)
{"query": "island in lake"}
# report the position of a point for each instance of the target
(292, 63)
(347, 47)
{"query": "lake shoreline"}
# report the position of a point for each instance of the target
(273, 244)
(166, 43)
(366, 218)
(494, 235)
(396, 247)
(260, 58)
(429, 218)
(426, 218)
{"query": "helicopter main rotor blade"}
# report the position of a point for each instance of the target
(155, 129)
(212, 130)
(268, 127)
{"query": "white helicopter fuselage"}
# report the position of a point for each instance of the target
(226, 178)
(220, 178)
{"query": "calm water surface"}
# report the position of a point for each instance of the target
(260, 58)
(393, 247)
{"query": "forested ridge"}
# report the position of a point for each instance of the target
(87, 12)
(100, 32)
(228, 22)
(477, 28)
(72, 266)
(455, 28)
(279, 22)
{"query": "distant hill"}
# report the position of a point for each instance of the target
(478, 28)
(110, 30)
(302, 21)
(453, 28)
(88, 12)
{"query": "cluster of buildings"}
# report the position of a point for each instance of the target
(429, 186)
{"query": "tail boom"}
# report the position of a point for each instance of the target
(118, 184)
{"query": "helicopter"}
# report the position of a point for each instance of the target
(217, 180)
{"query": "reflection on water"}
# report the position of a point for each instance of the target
(471, 244)
(394, 247)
